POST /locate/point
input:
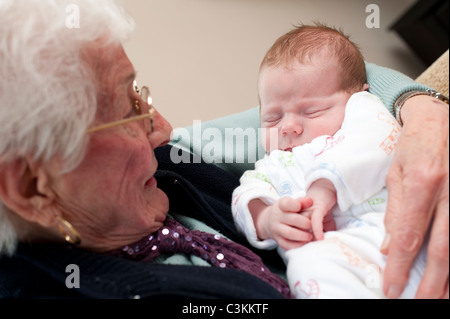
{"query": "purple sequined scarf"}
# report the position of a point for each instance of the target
(174, 238)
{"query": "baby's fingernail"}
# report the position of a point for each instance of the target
(385, 245)
(394, 291)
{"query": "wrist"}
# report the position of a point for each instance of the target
(408, 101)
(258, 211)
(320, 186)
(323, 194)
(423, 108)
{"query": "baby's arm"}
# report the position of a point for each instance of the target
(323, 195)
(282, 221)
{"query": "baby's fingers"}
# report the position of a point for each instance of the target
(317, 225)
(289, 204)
(296, 220)
(292, 238)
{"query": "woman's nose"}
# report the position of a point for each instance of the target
(162, 130)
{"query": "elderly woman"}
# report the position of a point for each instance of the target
(80, 184)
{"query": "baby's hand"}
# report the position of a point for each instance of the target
(323, 195)
(282, 221)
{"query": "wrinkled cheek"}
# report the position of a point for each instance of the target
(93, 182)
(131, 132)
(150, 214)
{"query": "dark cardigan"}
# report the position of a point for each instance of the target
(198, 190)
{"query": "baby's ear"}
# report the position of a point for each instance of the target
(366, 87)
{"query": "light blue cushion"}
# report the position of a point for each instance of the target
(232, 142)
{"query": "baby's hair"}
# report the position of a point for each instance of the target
(305, 42)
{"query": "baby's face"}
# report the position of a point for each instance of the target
(299, 104)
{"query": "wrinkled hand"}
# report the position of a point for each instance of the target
(283, 222)
(418, 186)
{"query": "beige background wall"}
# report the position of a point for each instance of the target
(201, 57)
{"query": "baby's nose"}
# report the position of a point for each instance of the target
(291, 126)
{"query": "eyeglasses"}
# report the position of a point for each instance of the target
(142, 109)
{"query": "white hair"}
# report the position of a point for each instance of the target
(47, 91)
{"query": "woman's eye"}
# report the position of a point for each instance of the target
(133, 96)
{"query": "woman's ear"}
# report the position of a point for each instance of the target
(24, 188)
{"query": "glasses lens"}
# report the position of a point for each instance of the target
(147, 107)
(145, 95)
(135, 87)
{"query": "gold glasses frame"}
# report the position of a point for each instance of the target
(144, 110)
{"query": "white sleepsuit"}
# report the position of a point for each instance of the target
(348, 262)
